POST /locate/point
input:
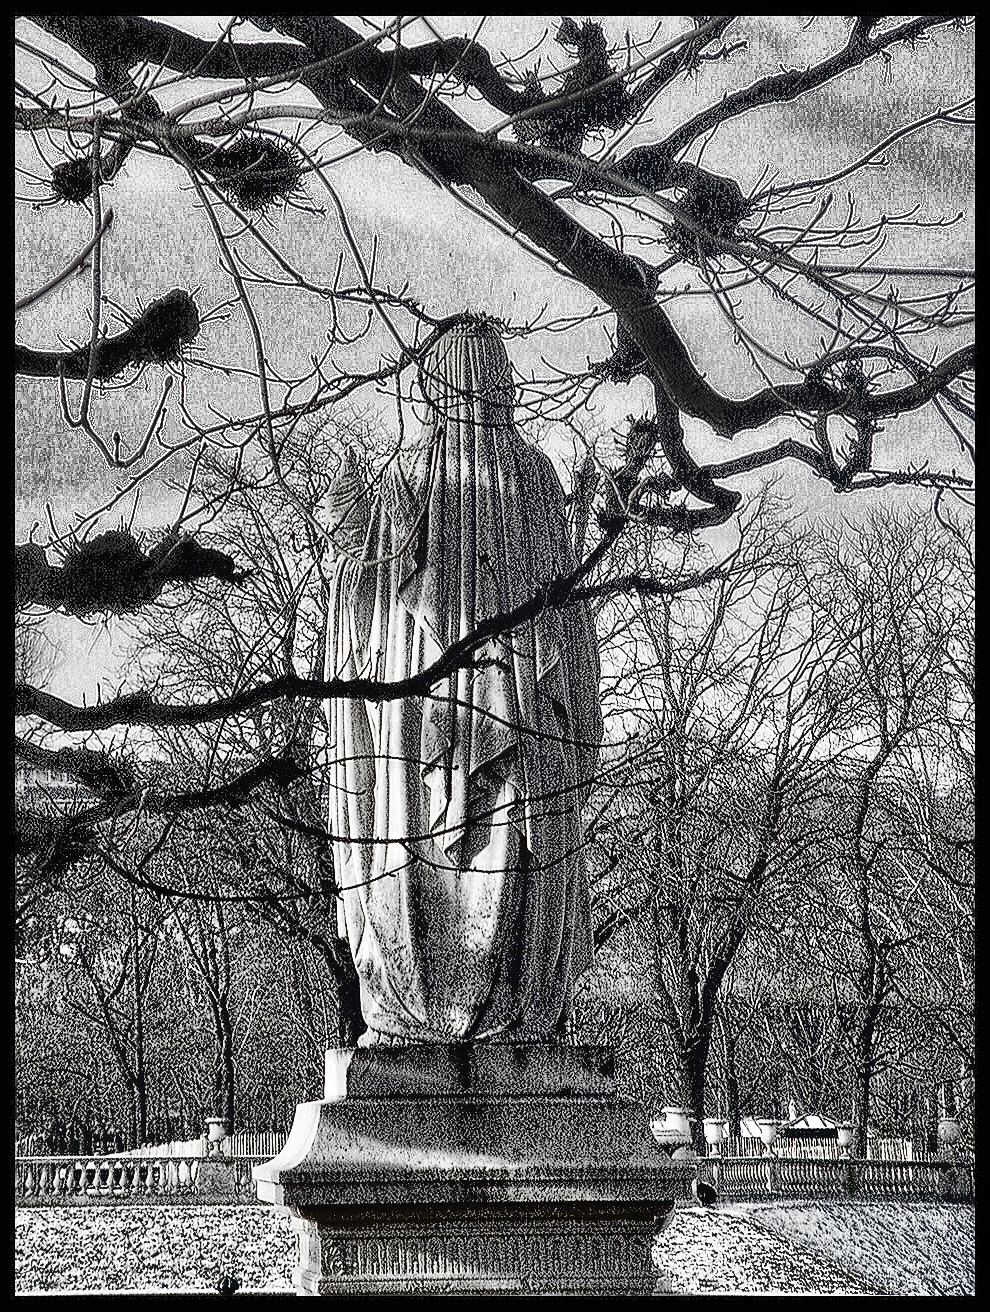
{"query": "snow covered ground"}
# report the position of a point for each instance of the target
(715, 1252)
(146, 1247)
(899, 1248)
(748, 1248)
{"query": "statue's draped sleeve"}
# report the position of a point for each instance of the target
(456, 812)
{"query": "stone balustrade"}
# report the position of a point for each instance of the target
(771, 1177)
(51, 1181)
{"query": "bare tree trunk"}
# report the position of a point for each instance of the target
(694, 1083)
(731, 1085)
(224, 1082)
(949, 1104)
(140, 1079)
(931, 1123)
(862, 1111)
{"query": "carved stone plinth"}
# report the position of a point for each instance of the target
(475, 1169)
(454, 1249)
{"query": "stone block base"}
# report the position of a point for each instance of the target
(453, 1250)
(512, 1170)
(217, 1178)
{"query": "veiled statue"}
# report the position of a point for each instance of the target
(455, 815)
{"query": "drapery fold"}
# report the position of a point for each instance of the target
(456, 817)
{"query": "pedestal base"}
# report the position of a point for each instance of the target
(505, 1170)
(454, 1250)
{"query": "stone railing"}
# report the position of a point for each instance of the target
(52, 1181)
(753, 1179)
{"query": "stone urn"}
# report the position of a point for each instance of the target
(715, 1131)
(672, 1128)
(844, 1134)
(769, 1130)
(216, 1132)
(949, 1132)
(677, 1118)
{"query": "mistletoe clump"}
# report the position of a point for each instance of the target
(715, 204)
(166, 326)
(256, 171)
(590, 105)
(107, 573)
(111, 574)
(72, 180)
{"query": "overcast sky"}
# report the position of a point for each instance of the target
(458, 263)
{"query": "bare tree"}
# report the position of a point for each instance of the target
(34, 654)
(890, 594)
(113, 949)
(276, 845)
(723, 699)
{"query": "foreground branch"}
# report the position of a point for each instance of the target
(157, 336)
(57, 842)
(142, 708)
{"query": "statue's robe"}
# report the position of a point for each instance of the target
(455, 815)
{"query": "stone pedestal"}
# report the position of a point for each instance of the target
(216, 1176)
(473, 1169)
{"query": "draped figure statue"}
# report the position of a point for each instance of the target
(455, 816)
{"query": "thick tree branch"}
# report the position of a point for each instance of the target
(97, 771)
(493, 170)
(141, 708)
(394, 112)
(57, 842)
(156, 336)
(125, 39)
(472, 66)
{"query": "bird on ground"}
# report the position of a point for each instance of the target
(706, 1194)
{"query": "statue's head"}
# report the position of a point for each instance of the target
(466, 373)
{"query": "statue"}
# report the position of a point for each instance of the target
(456, 816)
